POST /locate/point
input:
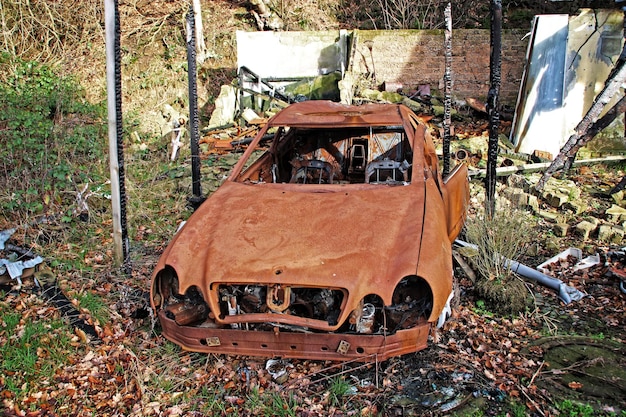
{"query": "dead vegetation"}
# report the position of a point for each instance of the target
(46, 31)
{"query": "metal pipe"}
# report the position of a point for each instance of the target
(461, 155)
(566, 293)
(504, 171)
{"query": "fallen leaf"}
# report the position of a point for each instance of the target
(81, 335)
(575, 385)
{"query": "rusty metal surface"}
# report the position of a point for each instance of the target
(312, 113)
(317, 346)
(283, 255)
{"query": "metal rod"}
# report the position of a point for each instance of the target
(193, 105)
(492, 105)
(447, 100)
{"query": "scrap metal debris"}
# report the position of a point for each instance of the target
(87, 332)
(15, 267)
(616, 263)
(22, 264)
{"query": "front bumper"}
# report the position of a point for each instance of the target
(317, 346)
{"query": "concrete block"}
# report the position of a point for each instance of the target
(533, 203)
(611, 234)
(595, 221)
(585, 228)
(548, 215)
(560, 229)
(556, 199)
(618, 197)
(576, 206)
(518, 181)
(225, 106)
(517, 196)
(616, 213)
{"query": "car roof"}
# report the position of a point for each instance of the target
(319, 113)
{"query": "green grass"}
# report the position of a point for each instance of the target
(338, 389)
(568, 408)
(54, 139)
(275, 404)
(96, 306)
(517, 409)
(32, 351)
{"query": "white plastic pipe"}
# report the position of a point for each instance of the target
(566, 293)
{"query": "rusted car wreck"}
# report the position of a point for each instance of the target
(334, 244)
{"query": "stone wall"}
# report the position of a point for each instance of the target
(413, 57)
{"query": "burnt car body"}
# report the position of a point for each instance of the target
(334, 244)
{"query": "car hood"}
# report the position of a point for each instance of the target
(364, 240)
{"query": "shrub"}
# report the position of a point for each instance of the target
(52, 137)
(505, 235)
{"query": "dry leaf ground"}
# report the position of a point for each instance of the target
(478, 364)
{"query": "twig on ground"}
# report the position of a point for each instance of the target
(536, 373)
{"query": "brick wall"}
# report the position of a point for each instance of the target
(414, 57)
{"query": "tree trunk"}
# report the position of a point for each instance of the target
(265, 17)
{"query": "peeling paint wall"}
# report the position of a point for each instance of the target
(292, 54)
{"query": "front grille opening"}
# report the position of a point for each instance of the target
(367, 318)
(322, 304)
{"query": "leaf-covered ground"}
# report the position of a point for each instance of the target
(480, 363)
